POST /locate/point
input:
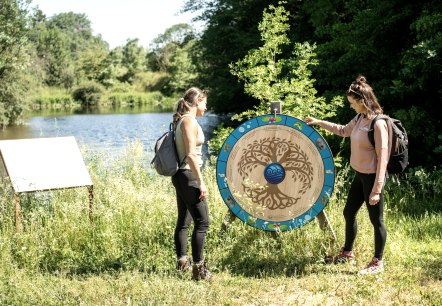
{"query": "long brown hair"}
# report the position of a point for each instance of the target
(361, 91)
(190, 98)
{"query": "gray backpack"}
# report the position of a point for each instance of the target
(166, 161)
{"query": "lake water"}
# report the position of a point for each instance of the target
(108, 133)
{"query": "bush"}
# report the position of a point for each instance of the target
(151, 81)
(88, 94)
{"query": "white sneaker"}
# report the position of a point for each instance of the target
(375, 266)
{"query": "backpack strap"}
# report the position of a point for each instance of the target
(174, 137)
(371, 130)
(389, 128)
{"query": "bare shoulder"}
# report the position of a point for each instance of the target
(381, 125)
(381, 122)
(188, 124)
(188, 121)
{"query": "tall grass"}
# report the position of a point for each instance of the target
(126, 255)
(138, 98)
(53, 98)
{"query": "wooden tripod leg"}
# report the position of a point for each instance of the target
(227, 220)
(18, 227)
(91, 200)
(325, 225)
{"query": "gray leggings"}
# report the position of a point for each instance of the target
(189, 207)
(359, 193)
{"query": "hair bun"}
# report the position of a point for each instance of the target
(361, 80)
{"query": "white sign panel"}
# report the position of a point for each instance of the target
(44, 163)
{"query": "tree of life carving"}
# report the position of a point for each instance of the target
(296, 163)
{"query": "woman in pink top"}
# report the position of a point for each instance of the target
(370, 164)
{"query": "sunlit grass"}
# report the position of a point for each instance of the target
(126, 256)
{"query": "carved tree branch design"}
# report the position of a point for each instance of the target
(262, 152)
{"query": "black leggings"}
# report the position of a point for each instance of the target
(189, 207)
(360, 190)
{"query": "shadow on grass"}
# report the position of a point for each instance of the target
(246, 258)
(433, 268)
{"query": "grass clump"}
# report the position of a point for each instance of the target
(126, 255)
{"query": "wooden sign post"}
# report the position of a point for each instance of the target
(43, 164)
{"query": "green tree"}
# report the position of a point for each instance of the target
(133, 60)
(90, 63)
(111, 68)
(77, 27)
(13, 60)
(182, 69)
(230, 32)
(67, 48)
(397, 45)
(165, 45)
(53, 48)
(418, 82)
(269, 77)
(171, 53)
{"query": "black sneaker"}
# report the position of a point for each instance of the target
(200, 271)
(183, 264)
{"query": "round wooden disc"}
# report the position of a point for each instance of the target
(275, 173)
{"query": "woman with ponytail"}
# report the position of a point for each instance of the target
(370, 165)
(191, 191)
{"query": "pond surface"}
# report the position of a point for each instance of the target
(108, 133)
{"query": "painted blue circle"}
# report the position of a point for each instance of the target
(274, 173)
(316, 141)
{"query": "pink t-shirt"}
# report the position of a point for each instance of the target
(364, 158)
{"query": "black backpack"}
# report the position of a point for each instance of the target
(166, 161)
(399, 143)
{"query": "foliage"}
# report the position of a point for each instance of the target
(54, 49)
(219, 135)
(13, 61)
(54, 102)
(126, 253)
(88, 94)
(91, 63)
(154, 98)
(182, 69)
(66, 49)
(268, 77)
(164, 46)
(171, 54)
(395, 44)
(132, 59)
(111, 69)
(230, 32)
(151, 81)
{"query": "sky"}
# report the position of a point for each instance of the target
(119, 20)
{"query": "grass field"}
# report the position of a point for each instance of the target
(126, 256)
